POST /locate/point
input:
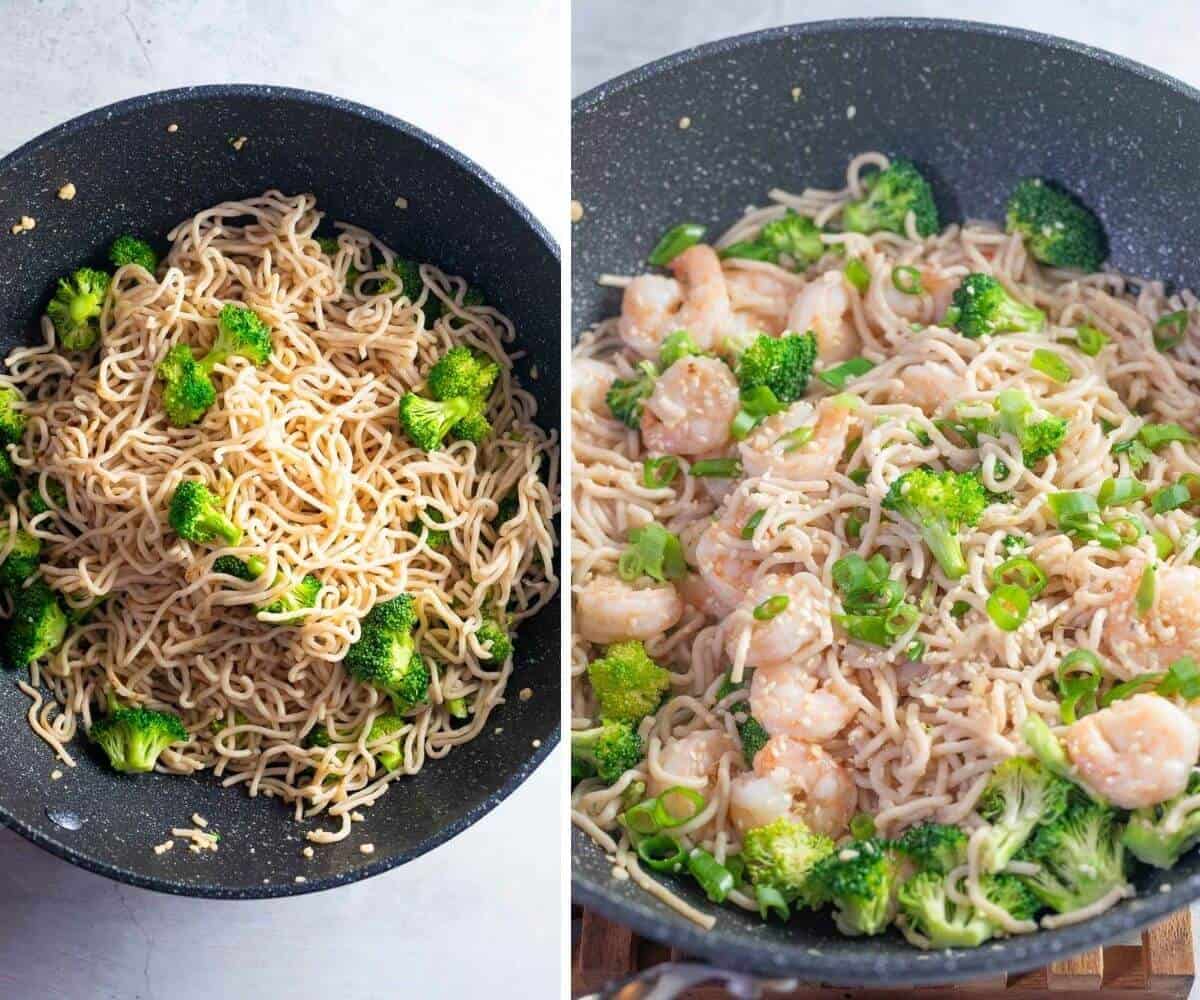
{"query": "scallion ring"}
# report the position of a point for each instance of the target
(715, 879)
(659, 472)
(1008, 606)
(771, 607)
(857, 274)
(1143, 598)
(907, 279)
(1051, 365)
(1022, 572)
(662, 853)
(717, 468)
(1078, 675)
(674, 241)
(1120, 491)
(751, 524)
(1169, 330)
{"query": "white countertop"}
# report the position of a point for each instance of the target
(480, 914)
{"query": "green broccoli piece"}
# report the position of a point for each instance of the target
(462, 371)
(12, 419)
(241, 569)
(428, 421)
(982, 306)
(794, 236)
(300, 596)
(858, 879)
(318, 736)
(940, 504)
(675, 347)
(1081, 855)
(408, 280)
(1039, 435)
(491, 631)
(195, 515)
(628, 684)
(391, 754)
(53, 498)
(1058, 230)
(1020, 794)
(936, 847)
(385, 655)
(1148, 837)
(782, 364)
(627, 396)
(434, 539)
(891, 195)
(507, 508)
(8, 472)
(328, 244)
(474, 427)
(781, 854)
(75, 309)
(133, 738)
(754, 738)
(241, 333)
(609, 750)
(22, 561)
(929, 911)
(37, 627)
(458, 708)
(129, 249)
(187, 391)
(728, 686)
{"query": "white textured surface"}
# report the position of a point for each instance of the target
(481, 914)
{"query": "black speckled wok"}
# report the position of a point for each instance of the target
(133, 175)
(977, 107)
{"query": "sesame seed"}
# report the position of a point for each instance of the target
(576, 211)
(525, 694)
(797, 93)
(366, 848)
(308, 852)
(401, 202)
(299, 880)
(357, 817)
(56, 775)
(536, 744)
(67, 191)
(175, 128)
(238, 143)
(685, 122)
(851, 111)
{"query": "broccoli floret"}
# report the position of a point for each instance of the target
(1081, 855)
(728, 686)
(54, 498)
(935, 847)
(385, 656)
(929, 911)
(1057, 229)
(794, 236)
(676, 346)
(428, 421)
(628, 684)
(241, 333)
(940, 504)
(129, 249)
(781, 854)
(12, 420)
(491, 631)
(983, 306)
(318, 736)
(1152, 841)
(397, 615)
(76, 307)
(474, 427)
(195, 515)
(458, 708)
(462, 371)
(297, 598)
(1020, 794)
(241, 569)
(187, 392)
(133, 738)
(328, 244)
(390, 754)
(434, 539)
(891, 195)
(8, 472)
(783, 364)
(609, 750)
(37, 627)
(754, 738)
(627, 396)
(858, 879)
(507, 508)
(22, 561)
(408, 279)
(1039, 435)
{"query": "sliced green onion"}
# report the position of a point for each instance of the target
(1079, 674)
(1163, 545)
(1068, 507)
(1090, 340)
(747, 250)
(1154, 436)
(1183, 679)
(915, 650)
(675, 347)
(907, 279)
(770, 901)
(837, 376)
(854, 526)
(662, 853)
(659, 472)
(654, 552)
(757, 404)
(692, 799)
(1169, 330)
(674, 241)
(1127, 529)
(1012, 543)
(864, 628)
(1022, 572)
(772, 607)
(717, 468)
(752, 523)
(1129, 688)
(862, 826)
(795, 439)
(859, 476)
(1170, 498)
(634, 792)
(919, 432)
(959, 608)
(737, 868)
(1120, 491)
(902, 618)
(715, 879)
(1144, 598)
(857, 274)
(1008, 606)
(1051, 365)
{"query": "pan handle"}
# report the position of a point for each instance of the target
(669, 979)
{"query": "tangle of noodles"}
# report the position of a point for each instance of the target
(309, 457)
(921, 736)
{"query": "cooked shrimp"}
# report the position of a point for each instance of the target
(1168, 630)
(756, 801)
(760, 300)
(726, 566)
(801, 627)
(590, 382)
(695, 300)
(823, 792)
(610, 610)
(1135, 753)
(769, 451)
(929, 386)
(823, 306)
(691, 407)
(691, 761)
(788, 701)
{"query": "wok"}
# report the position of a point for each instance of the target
(133, 175)
(977, 107)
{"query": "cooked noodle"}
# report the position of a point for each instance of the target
(310, 459)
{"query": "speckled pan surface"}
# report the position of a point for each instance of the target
(133, 175)
(976, 106)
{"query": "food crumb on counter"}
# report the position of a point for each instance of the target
(67, 191)
(576, 210)
(26, 223)
(366, 848)
(165, 846)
